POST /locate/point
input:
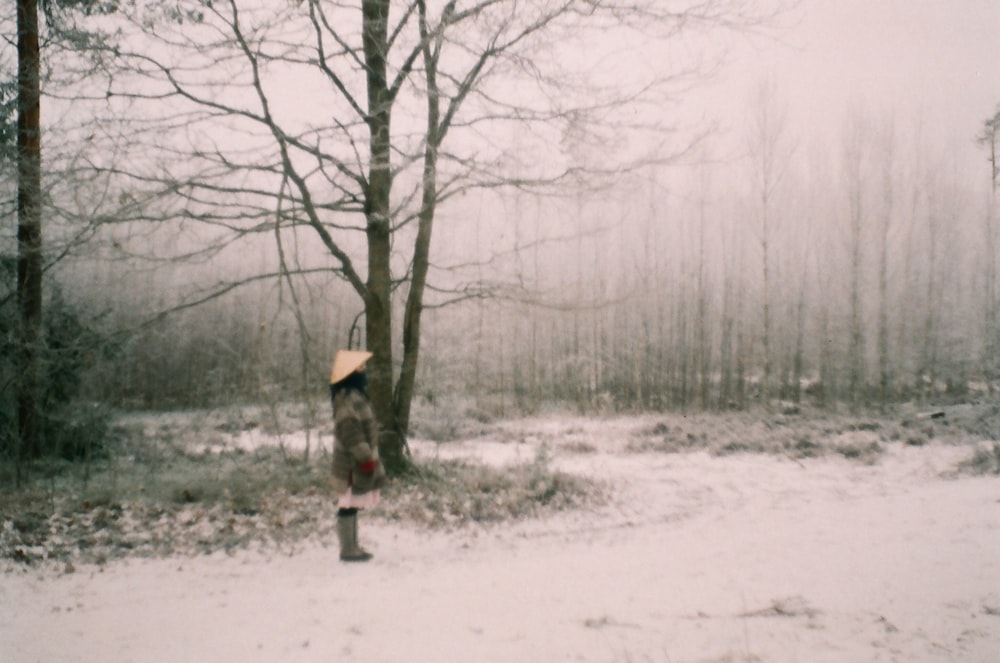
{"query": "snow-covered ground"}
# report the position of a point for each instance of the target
(695, 557)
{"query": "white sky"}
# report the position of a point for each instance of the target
(932, 61)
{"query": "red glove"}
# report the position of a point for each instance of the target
(368, 466)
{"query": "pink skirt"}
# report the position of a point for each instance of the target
(365, 501)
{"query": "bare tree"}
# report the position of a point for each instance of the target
(933, 290)
(991, 343)
(885, 215)
(857, 159)
(770, 156)
(988, 138)
(702, 327)
(360, 152)
(39, 195)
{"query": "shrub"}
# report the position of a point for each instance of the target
(71, 429)
(985, 460)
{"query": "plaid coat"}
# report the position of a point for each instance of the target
(355, 446)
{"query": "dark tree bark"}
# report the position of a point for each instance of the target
(29, 231)
(378, 297)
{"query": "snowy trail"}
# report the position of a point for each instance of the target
(738, 558)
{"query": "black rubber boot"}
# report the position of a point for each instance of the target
(347, 532)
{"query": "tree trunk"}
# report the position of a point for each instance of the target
(378, 300)
(702, 333)
(798, 361)
(991, 327)
(856, 217)
(883, 284)
(29, 232)
(929, 350)
(421, 253)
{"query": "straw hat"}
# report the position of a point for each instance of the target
(346, 362)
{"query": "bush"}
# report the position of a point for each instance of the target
(71, 429)
(985, 460)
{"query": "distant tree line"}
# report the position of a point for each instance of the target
(880, 290)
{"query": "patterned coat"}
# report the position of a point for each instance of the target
(355, 447)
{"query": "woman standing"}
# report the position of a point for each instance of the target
(357, 472)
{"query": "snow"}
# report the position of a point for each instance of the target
(696, 557)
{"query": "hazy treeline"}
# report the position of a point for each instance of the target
(881, 269)
(880, 287)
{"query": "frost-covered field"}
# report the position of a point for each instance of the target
(727, 538)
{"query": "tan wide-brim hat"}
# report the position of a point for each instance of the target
(346, 362)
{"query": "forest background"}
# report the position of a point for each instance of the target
(668, 230)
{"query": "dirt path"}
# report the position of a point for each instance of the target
(742, 558)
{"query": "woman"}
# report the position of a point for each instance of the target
(357, 471)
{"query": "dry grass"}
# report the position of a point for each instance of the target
(985, 460)
(156, 497)
(863, 438)
(180, 504)
(453, 493)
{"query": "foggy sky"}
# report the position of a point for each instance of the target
(932, 62)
